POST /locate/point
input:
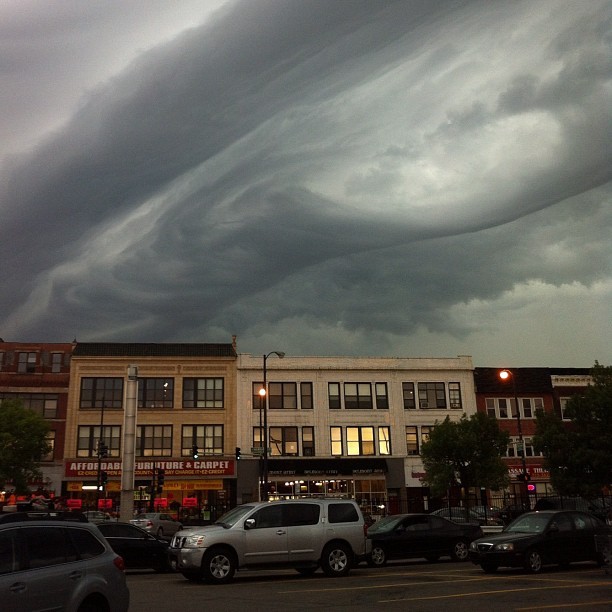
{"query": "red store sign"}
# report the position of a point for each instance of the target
(207, 467)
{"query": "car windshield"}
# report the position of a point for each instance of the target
(528, 523)
(229, 519)
(386, 523)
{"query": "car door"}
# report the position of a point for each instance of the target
(411, 537)
(303, 531)
(558, 542)
(53, 568)
(266, 539)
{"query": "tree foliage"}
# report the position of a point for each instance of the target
(578, 454)
(467, 452)
(23, 441)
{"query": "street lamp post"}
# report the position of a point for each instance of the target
(505, 375)
(264, 392)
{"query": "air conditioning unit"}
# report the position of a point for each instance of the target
(455, 405)
(424, 404)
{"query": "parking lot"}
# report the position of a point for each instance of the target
(414, 586)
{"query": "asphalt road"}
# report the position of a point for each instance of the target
(414, 586)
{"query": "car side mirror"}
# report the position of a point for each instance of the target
(249, 523)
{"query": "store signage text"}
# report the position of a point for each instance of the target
(209, 467)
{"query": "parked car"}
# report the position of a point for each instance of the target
(404, 536)
(59, 565)
(96, 516)
(535, 539)
(138, 548)
(558, 502)
(304, 534)
(465, 515)
(162, 525)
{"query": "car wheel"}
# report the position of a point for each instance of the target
(378, 556)
(218, 565)
(489, 568)
(533, 561)
(336, 560)
(460, 551)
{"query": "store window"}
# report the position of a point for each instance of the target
(154, 441)
(203, 393)
(155, 393)
(101, 393)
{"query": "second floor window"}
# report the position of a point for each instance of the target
(306, 396)
(154, 441)
(282, 395)
(408, 395)
(89, 436)
(360, 441)
(308, 442)
(51, 442)
(101, 393)
(384, 440)
(382, 399)
(155, 392)
(208, 439)
(283, 441)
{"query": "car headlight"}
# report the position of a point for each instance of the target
(473, 546)
(194, 541)
(505, 546)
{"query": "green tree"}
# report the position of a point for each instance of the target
(23, 441)
(578, 454)
(467, 452)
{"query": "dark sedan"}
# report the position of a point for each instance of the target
(404, 536)
(535, 539)
(139, 548)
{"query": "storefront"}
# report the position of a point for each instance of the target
(187, 489)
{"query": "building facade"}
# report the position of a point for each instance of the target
(38, 374)
(345, 425)
(186, 398)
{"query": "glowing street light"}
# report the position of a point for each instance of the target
(263, 393)
(506, 375)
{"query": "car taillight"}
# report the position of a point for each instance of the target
(149, 523)
(119, 563)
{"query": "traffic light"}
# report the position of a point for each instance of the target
(237, 453)
(103, 477)
(195, 453)
(161, 475)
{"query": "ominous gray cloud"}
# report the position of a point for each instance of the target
(410, 177)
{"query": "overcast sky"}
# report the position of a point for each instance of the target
(324, 177)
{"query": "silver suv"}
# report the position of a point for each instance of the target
(59, 565)
(304, 534)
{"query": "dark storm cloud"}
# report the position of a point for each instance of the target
(367, 168)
